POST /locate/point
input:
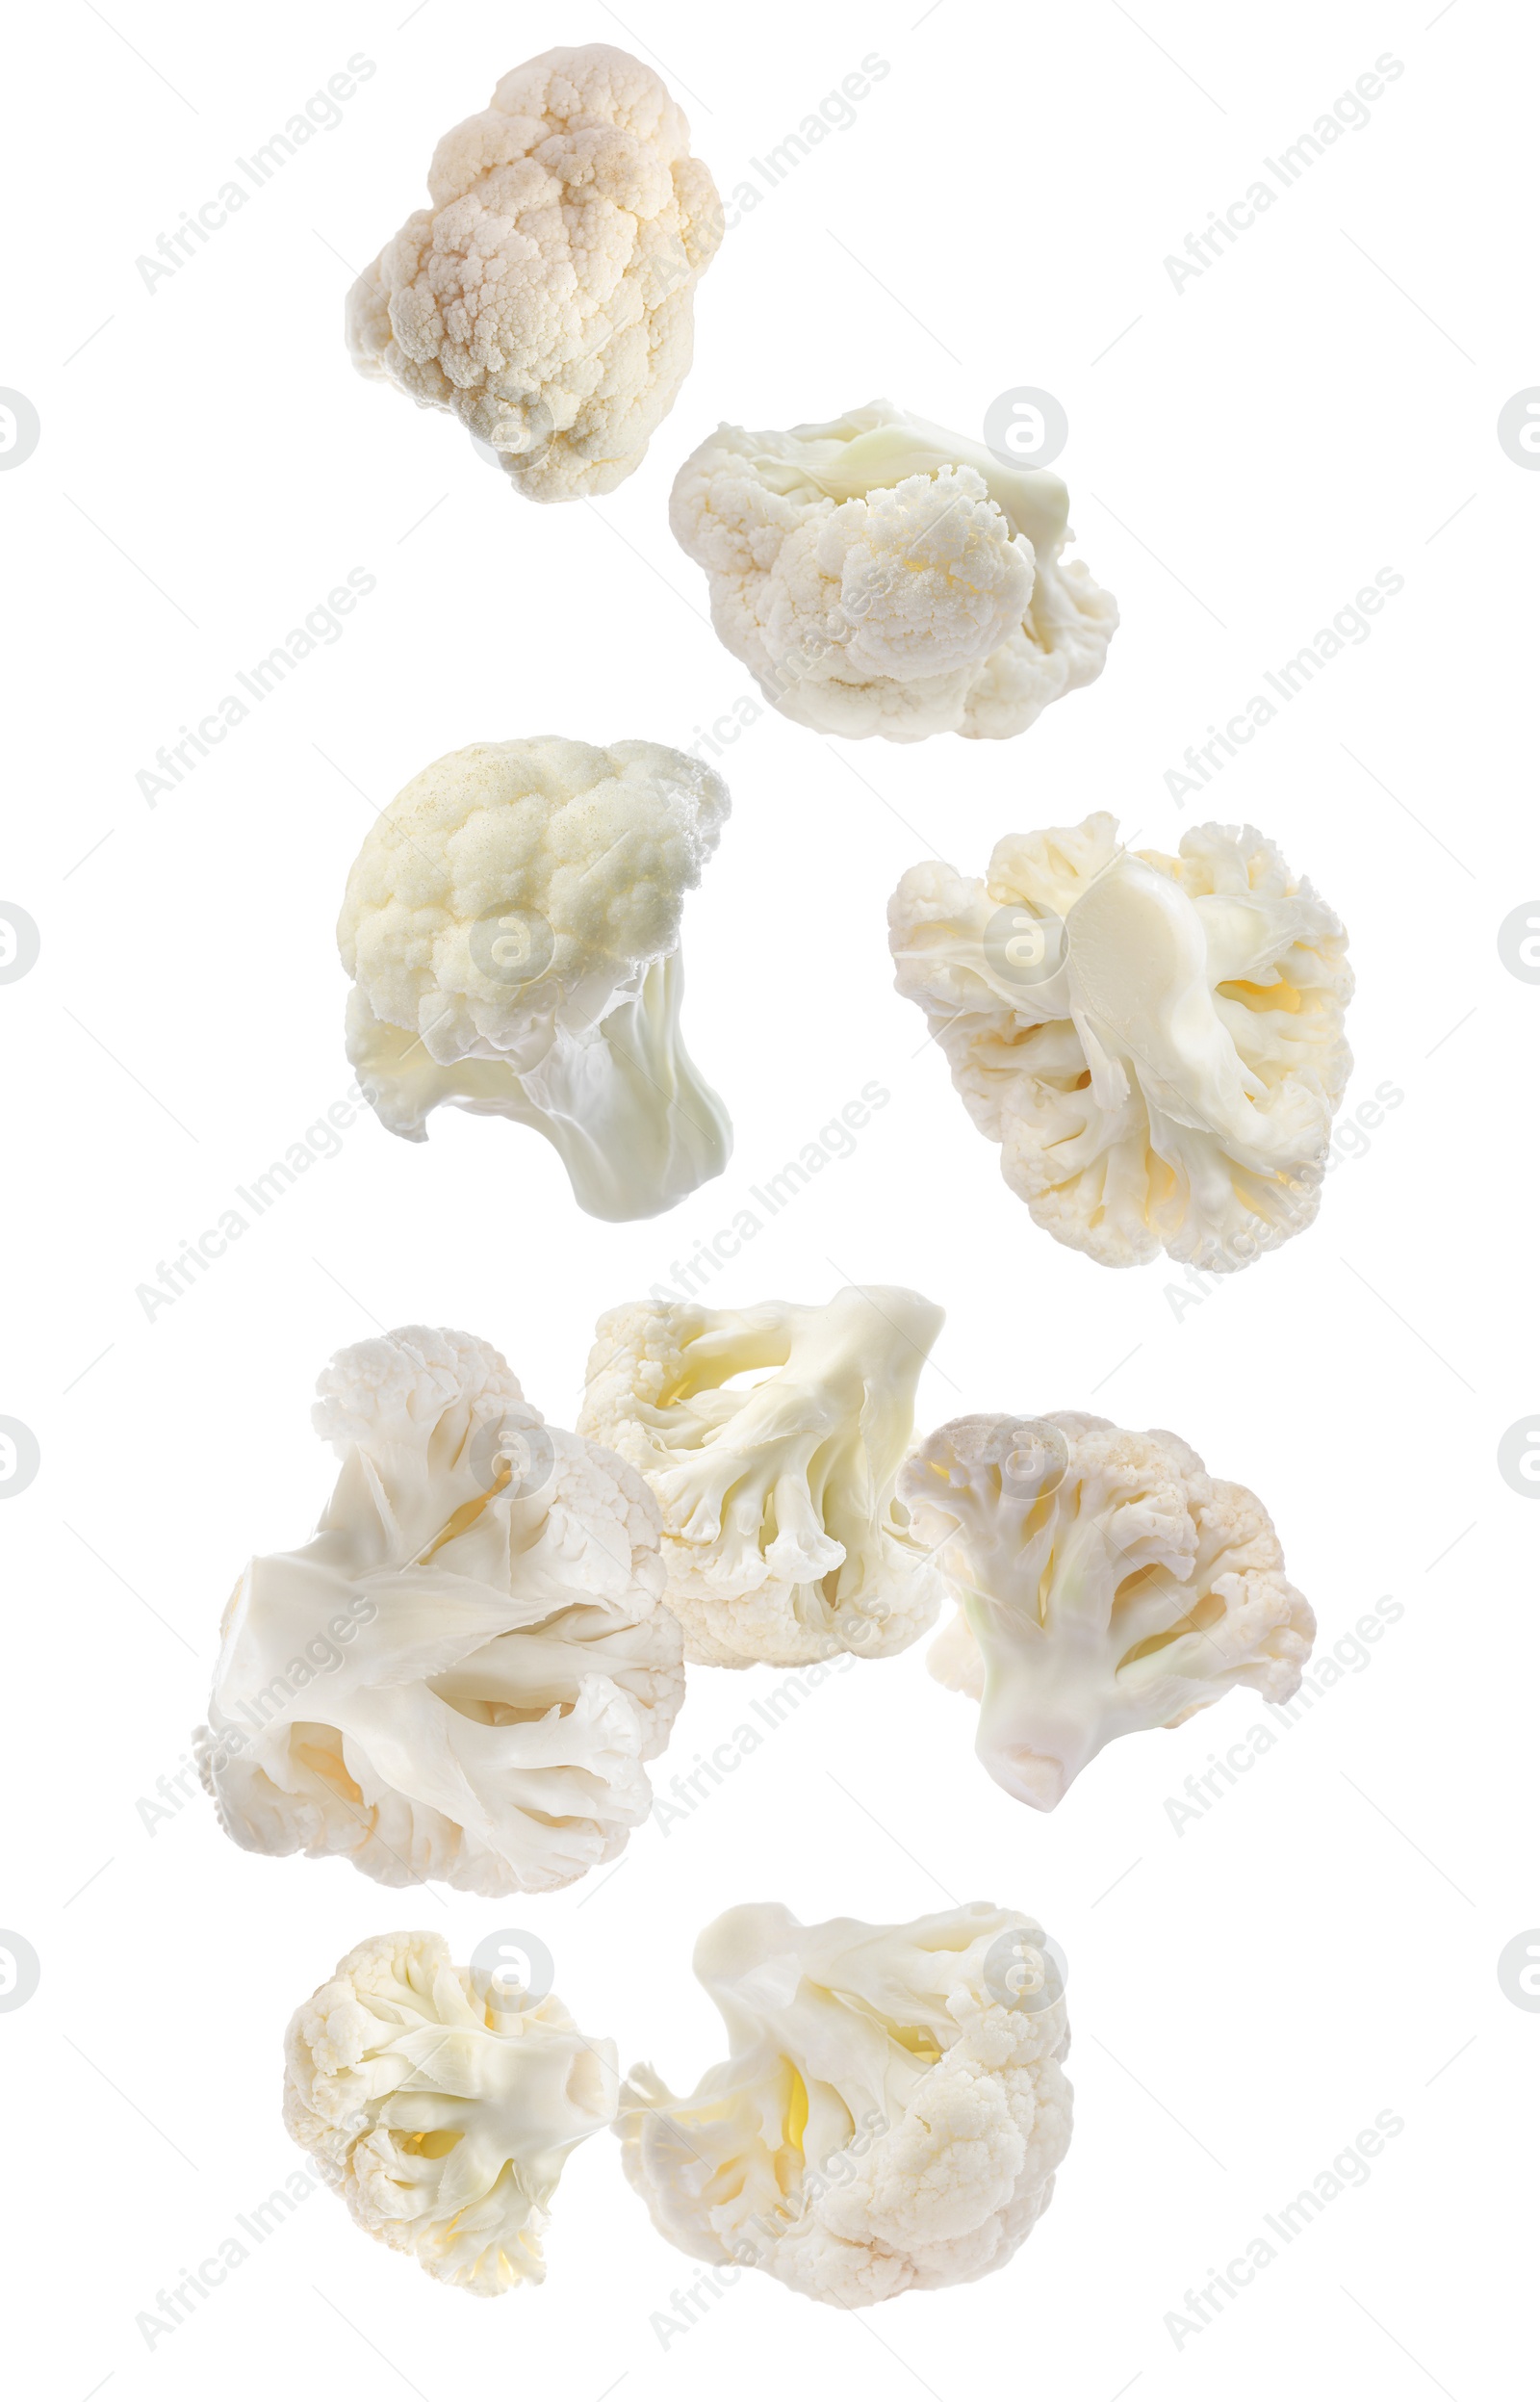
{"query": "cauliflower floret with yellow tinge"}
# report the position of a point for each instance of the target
(891, 2112)
(880, 576)
(1156, 1043)
(512, 928)
(1105, 1583)
(546, 297)
(442, 2119)
(460, 1677)
(782, 1539)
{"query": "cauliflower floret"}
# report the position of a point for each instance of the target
(880, 576)
(1105, 1583)
(512, 927)
(891, 2113)
(1156, 1043)
(546, 297)
(442, 2119)
(461, 1675)
(781, 1541)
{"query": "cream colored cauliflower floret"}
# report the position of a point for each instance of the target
(892, 2111)
(1156, 1043)
(511, 926)
(443, 2120)
(781, 1541)
(463, 1673)
(880, 576)
(546, 297)
(1105, 1583)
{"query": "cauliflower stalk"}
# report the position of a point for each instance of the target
(1156, 1043)
(891, 2112)
(782, 1537)
(880, 576)
(461, 1675)
(442, 2121)
(512, 927)
(1105, 1583)
(546, 297)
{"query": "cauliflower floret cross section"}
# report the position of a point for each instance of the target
(512, 928)
(1105, 1583)
(460, 1677)
(892, 2111)
(880, 576)
(443, 2121)
(1156, 1043)
(782, 1537)
(546, 297)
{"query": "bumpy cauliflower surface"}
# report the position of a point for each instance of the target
(461, 1675)
(443, 2121)
(1105, 1583)
(512, 927)
(891, 2112)
(1156, 1043)
(547, 296)
(782, 1539)
(880, 576)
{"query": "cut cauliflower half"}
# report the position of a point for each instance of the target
(892, 2111)
(782, 1540)
(1105, 1583)
(443, 2121)
(546, 297)
(1156, 1043)
(462, 1673)
(880, 576)
(511, 926)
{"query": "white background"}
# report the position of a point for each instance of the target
(1245, 453)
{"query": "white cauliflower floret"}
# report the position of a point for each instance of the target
(512, 927)
(1156, 1043)
(781, 1541)
(1105, 1583)
(880, 576)
(891, 2113)
(443, 2120)
(461, 1675)
(546, 297)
